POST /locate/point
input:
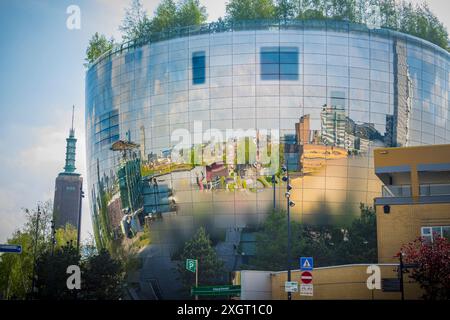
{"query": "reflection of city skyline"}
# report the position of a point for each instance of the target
(331, 109)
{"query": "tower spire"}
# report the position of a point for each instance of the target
(70, 148)
(72, 130)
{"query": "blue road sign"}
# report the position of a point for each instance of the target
(11, 248)
(306, 263)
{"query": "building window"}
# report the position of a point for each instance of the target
(198, 67)
(431, 233)
(279, 63)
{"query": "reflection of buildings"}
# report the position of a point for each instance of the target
(397, 124)
(333, 120)
(68, 190)
(302, 130)
(156, 80)
(157, 198)
(291, 151)
(136, 197)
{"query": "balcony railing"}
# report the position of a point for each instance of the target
(425, 190)
(396, 191)
(434, 189)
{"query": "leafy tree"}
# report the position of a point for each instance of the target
(342, 10)
(312, 9)
(361, 239)
(191, 13)
(238, 10)
(389, 14)
(210, 268)
(328, 245)
(433, 271)
(136, 23)
(165, 16)
(102, 277)
(271, 242)
(16, 269)
(286, 9)
(51, 272)
(98, 45)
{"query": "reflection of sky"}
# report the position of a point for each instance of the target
(42, 76)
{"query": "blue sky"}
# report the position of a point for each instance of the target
(41, 77)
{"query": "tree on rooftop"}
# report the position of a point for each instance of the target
(238, 10)
(165, 16)
(286, 9)
(136, 23)
(191, 13)
(98, 45)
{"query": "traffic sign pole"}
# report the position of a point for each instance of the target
(196, 277)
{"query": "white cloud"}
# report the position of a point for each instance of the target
(28, 173)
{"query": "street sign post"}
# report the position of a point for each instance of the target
(10, 248)
(192, 266)
(291, 286)
(306, 290)
(227, 290)
(306, 263)
(306, 277)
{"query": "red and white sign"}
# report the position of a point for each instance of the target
(306, 277)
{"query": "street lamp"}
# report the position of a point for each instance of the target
(289, 204)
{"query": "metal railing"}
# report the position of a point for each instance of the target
(227, 26)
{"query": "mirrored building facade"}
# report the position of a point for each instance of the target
(317, 96)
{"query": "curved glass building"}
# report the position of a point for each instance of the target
(190, 129)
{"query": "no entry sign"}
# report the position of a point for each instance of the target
(306, 277)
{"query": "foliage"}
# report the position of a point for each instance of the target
(417, 20)
(16, 269)
(165, 16)
(328, 245)
(191, 13)
(136, 23)
(98, 45)
(361, 244)
(210, 268)
(102, 277)
(433, 271)
(238, 10)
(51, 273)
(65, 235)
(286, 9)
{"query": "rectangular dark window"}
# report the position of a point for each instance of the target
(198, 67)
(279, 63)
